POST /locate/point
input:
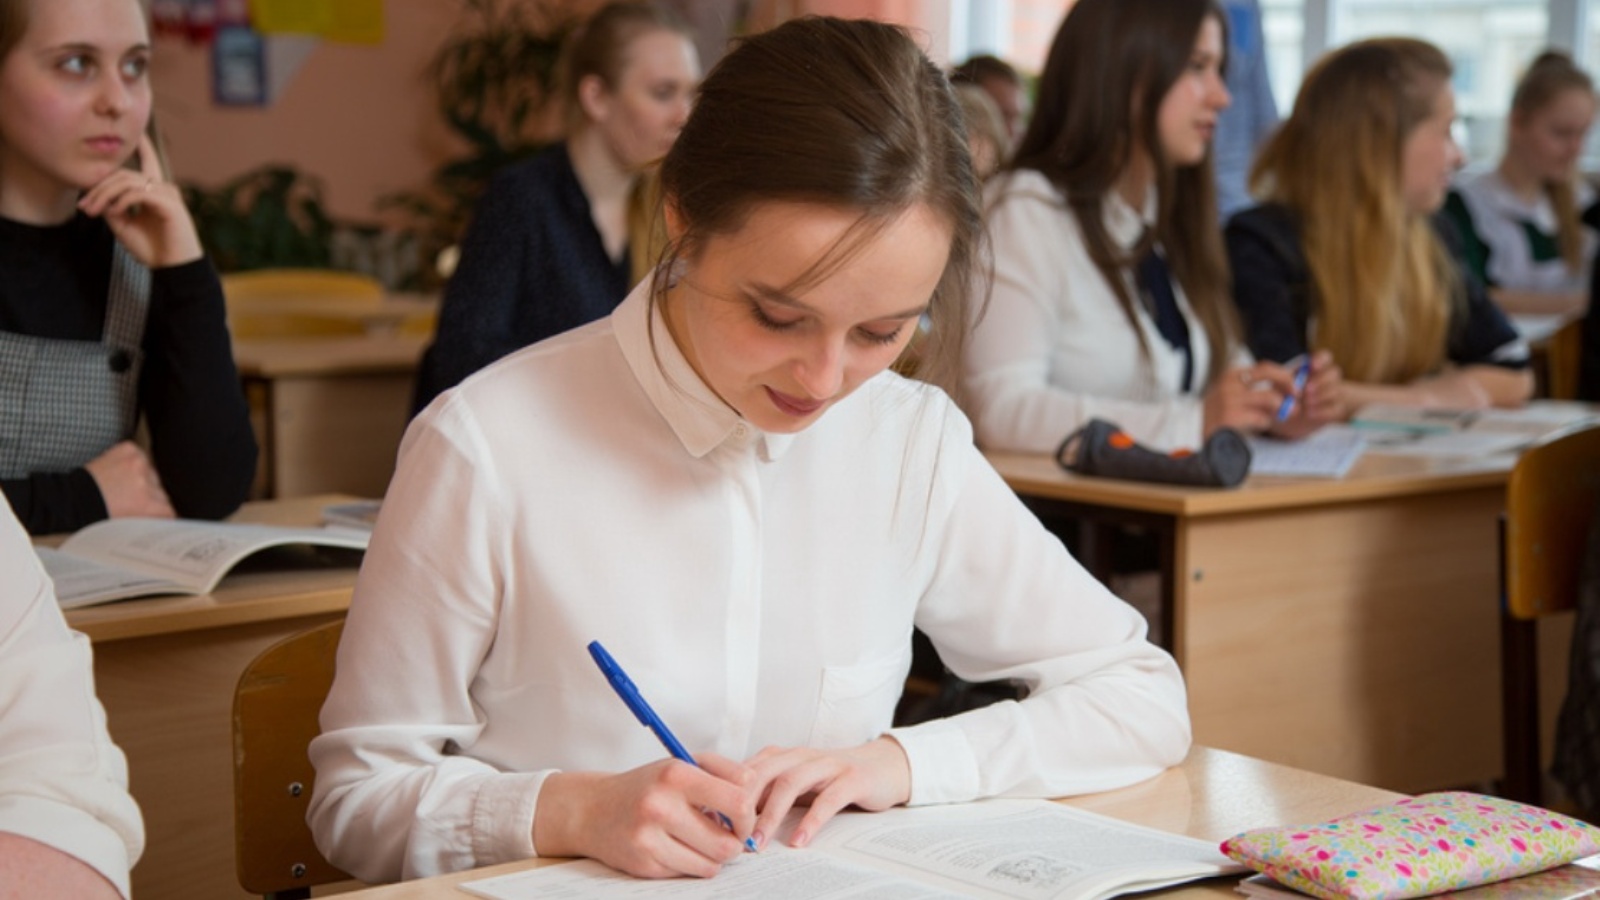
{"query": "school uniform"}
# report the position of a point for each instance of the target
(1272, 287)
(533, 265)
(760, 589)
(91, 342)
(1054, 348)
(63, 782)
(1512, 244)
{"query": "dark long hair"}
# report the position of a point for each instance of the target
(1110, 67)
(843, 113)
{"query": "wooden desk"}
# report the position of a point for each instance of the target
(1213, 795)
(329, 411)
(388, 314)
(1349, 627)
(165, 669)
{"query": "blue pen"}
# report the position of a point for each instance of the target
(1301, 373)
(623, 685)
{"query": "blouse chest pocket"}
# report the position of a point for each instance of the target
(857, 702)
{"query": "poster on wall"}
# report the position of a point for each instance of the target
(347, 21)
(238, 67)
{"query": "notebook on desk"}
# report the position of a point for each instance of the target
(1327, 453)
(1414, 431)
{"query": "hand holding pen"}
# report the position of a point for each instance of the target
(625, 688)
(1318, 396)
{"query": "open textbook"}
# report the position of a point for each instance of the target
(1031, 849)
(1414, 431)
(121, 558)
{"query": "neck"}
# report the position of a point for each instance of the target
(1133, 185)
(1522, 182)
(604, 178)
(33, 199)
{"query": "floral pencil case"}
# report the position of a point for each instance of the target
(1415, 847)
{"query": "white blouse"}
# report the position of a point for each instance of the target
(760, 589)
(1054, 349)
(1501, 219)
(63, 782)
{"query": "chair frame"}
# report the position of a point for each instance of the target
(1551, 499)
(275, 708)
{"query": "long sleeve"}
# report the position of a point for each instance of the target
(1054, 350)
(63, 782)
(1270, 282)
(1105, 707)
(201, 441)
(55, 502)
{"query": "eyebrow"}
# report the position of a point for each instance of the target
(81, 47)
(773, 295)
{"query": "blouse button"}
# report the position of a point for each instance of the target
(738, 431)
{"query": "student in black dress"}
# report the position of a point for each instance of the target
(557, 241)
(109, 312)
(1348, 256)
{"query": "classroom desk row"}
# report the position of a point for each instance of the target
(1349, 627)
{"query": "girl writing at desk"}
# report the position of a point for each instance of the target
(1346, 257)
(724, 484)
(109, 312)
(1110, 282)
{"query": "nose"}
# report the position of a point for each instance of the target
(114, 97)
(1220, 98)
(820, 369)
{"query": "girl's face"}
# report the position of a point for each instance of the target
(780, 359)
(1430, 157)
(640, 116)
(1549, 140)
(74, 100)
(1188, 115)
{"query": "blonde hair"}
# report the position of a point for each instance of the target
(1383, 285)
(1550, 75)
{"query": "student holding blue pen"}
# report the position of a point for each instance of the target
(727, 487)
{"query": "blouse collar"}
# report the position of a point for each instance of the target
(695, 413)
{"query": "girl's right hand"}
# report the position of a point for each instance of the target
(651, 822)
(1246, 398)
(129, 484)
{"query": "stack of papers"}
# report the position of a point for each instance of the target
(1411, 431)
(1328, 453)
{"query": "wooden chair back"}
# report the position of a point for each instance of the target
(272, 303)
(275, 709)
(1563, 360)
(1551, 500)
(270, 284)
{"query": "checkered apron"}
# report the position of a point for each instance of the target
(62, 403)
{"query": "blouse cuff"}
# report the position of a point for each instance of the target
(194, 278)
(943, 768)
(502, 817)
(72, 831)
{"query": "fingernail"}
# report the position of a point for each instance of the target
(759, 838)
(800, 839)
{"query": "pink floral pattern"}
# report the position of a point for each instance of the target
(1415, 847)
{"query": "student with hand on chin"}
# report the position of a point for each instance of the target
(109, 312)
(726, 485)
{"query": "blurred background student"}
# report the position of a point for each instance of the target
(110, 315)
(1521, 222)
(1345, 256)
(986, 129)
(1003, 83)
(557, 241)
(1110, 296)
(68, 828)
(1245, 124)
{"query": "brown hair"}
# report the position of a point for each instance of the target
(1109, 69)
(1550, 75)
(599, 46)
(1382, 283)
(846, 114)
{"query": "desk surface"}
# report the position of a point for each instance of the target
(1213, 795)
(240, 599)
(365, 354)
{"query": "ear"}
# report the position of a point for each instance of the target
(594, 97)
(676, 223)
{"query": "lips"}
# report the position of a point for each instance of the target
(108, 144)
(795, 406)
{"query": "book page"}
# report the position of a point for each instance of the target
(195, 554)
(82, 582)
(1003, 848)
(1327, 453)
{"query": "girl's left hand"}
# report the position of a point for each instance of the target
(873, 776)
(1320, 402)
(145, 212)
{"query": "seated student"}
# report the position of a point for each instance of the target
(108, 310)
(725, 485)
(1001, 81)
(1520, 222)
(1110, 295)
(68, 828)
(1345, 255)
(549, 245)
